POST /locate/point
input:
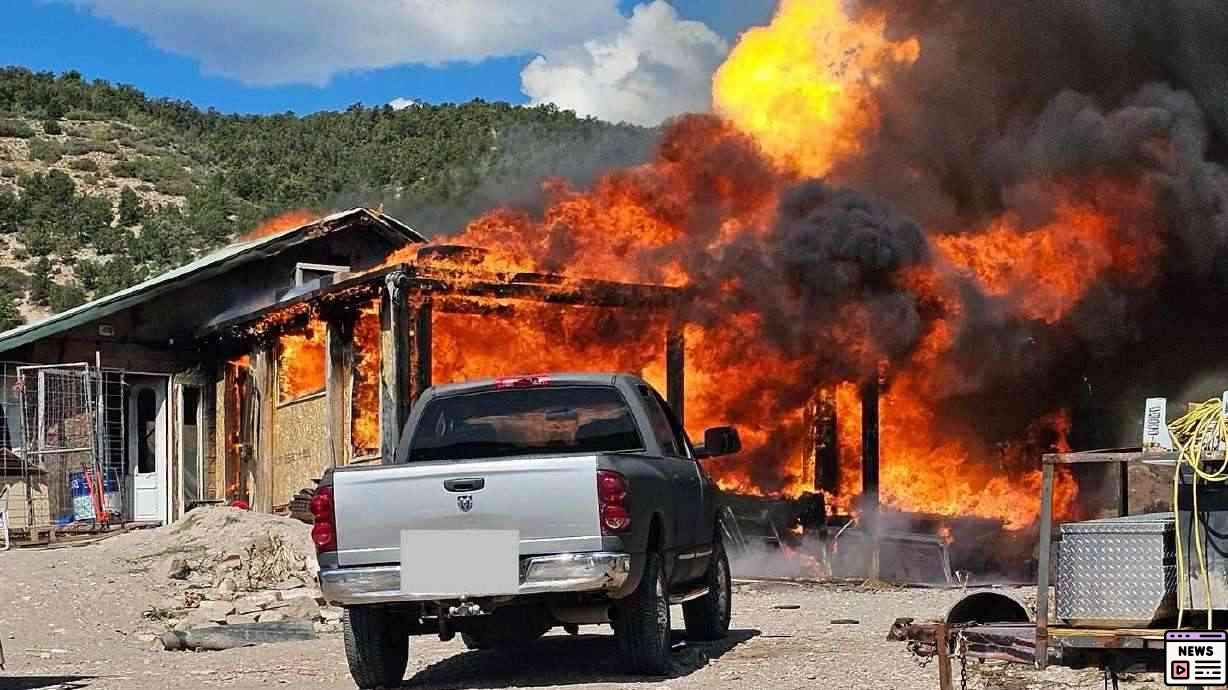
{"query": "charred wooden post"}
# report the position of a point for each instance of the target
(421, 359)
(827, 444)
(338, 382)
(810, 456)
(394, 381)
(1042, 569)
(869, 467)
(227, 432)
(675, 370)
(944, 658)
(264, 371)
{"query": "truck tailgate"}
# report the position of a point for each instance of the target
(551, 500)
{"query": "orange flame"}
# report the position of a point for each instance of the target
(279, 223)
(803, 85)
(364, 399)
(802, 96)
(1045, 271)
(300, 362)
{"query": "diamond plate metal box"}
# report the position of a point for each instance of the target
(1117, 572)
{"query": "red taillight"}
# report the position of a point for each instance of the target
(611, 487)
(615, 518)
(324, 531)
(521, 382)
(612, 499)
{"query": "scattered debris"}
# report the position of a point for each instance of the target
(241, 635)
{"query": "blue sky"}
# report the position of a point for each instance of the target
(216, 53)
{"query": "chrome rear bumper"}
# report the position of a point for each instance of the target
(568, 572)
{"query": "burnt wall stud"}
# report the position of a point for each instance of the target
(421, 313)
(869, 467)
(394, 385)
(264, 370)
(827, 443)
(339, 376)
(675, 370)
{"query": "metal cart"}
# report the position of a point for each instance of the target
(1015, 640)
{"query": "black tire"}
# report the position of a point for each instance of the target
(707, 618)
(642, 622)
(376, 646)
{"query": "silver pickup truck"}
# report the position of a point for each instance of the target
(517, 505)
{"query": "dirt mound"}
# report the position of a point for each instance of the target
(230, 548)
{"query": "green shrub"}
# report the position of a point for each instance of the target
(10, 316)
(175, 187)
(81, 115)
(13, 279)
(155, 170)
(90, 178)
(46, 151)
(79, 147)
(52, 127)
(9, 172)
(15, 128)
(83, 164)
(64, 297)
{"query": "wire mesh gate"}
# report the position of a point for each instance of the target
(66, 453)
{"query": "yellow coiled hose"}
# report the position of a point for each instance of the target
(1200, 430)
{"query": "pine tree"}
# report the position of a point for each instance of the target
(131, 211)
(10, 317)
(40, 281)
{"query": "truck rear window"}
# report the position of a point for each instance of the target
(525, 421)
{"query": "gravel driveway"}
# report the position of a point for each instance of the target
(71, 618)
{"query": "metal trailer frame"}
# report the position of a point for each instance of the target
(1042, 643)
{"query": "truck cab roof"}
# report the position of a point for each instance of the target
(540, 379)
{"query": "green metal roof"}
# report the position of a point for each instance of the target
(205, 267)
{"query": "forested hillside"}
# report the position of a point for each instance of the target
(101, 186)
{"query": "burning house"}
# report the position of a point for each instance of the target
(242, 376)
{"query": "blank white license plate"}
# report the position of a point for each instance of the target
(454, 563)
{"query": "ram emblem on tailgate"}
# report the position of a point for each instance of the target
(465, 503)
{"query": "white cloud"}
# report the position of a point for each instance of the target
(651, 67)
(401, 103)
(265, 42)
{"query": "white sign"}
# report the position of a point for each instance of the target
(1195, 657)
(458, 564)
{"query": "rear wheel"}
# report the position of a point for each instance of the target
(376, 646)
(707, 618)
(642, 624)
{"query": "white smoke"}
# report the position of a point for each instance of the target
(271, 42)
(654, 66)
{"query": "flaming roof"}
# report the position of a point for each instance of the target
(205, 267)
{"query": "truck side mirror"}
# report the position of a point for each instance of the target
(718, 441)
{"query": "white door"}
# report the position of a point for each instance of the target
(147, 450)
